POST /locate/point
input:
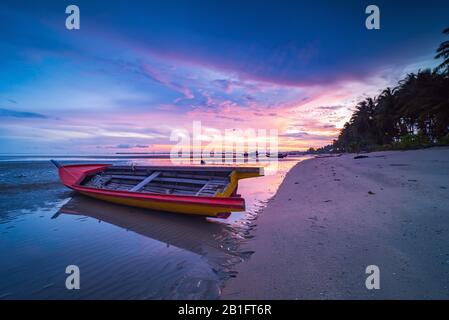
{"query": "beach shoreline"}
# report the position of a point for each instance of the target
(332, 217)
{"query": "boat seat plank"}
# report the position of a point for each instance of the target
(158, 190)
(182, 180)
(145, 181)
(127, 177)
(194, 188)
(190, 175)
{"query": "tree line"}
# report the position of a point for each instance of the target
(413, 114)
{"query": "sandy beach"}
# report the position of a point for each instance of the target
(332, 217)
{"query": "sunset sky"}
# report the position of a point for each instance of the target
(137, 70)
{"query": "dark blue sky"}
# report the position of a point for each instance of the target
(146, 56)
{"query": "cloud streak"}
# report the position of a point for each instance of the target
(6, 113)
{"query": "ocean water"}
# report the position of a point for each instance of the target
(121, 252)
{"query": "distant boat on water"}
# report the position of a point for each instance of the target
(256, 154)
(280, 155)
(201, 190)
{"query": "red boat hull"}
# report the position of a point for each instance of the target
(72, 175)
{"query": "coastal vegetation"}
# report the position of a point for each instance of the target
(413, 114)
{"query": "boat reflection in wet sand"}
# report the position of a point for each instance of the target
(200, 190)
(186, 232)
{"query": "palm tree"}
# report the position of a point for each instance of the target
(443, 52)
(416, 110)
(386, 116)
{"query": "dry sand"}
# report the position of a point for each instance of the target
(332, 217)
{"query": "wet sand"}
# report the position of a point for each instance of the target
(122, 252)
(332, 217)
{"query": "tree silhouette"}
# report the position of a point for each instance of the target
(415, 113)
(443, 52)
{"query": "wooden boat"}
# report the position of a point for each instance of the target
(200, 190)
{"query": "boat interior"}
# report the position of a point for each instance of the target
(162, 180)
